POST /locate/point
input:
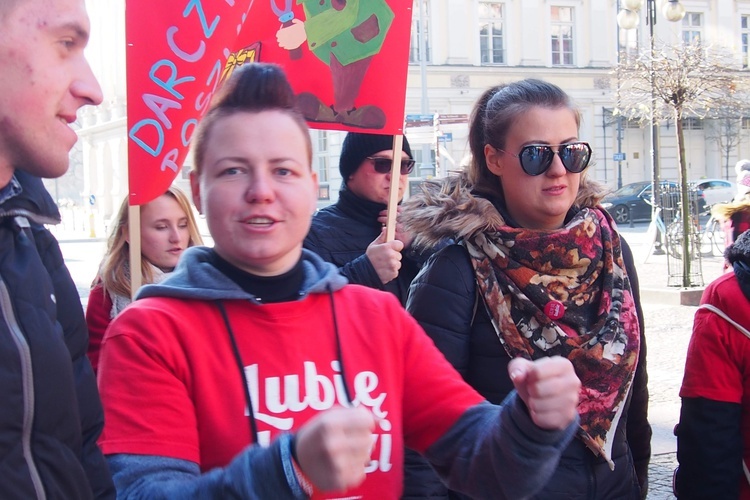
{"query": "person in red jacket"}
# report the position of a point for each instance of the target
(168, 227)
(713, 436)
(256, 371)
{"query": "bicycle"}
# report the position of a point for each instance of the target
(674, 236)
(713, 237)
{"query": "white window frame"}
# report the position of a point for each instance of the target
(414, 56)
(489, 37)
(322, 156)
(553, 25)
(689, 30)
(630, 41)
(745, 40)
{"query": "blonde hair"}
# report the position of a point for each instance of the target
(114, 272)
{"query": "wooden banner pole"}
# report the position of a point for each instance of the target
(134, 227)
(390, 225)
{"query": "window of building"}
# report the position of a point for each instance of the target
(745, 39)
(629, 42)
(746, 123)
(417, 31)
(321, 156)
(491, 33)
(692, 27)
(634, 124)
(425, 166)
(692, 123)
(562, 36)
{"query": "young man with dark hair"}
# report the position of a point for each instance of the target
(50, 416)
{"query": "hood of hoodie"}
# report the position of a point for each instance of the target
(446, 208)
(34, 202)
(196, 277)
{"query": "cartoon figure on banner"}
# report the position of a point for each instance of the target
(345, 35)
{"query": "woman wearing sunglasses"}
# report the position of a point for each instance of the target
(350, 233)
(539, 270)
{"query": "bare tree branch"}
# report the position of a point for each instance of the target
(673, 82)
(684, 80)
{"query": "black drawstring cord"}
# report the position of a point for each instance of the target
(339, 355)
(238, 360)
(241, 367)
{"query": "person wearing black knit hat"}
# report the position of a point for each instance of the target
(712, 436)
(358, 147)
(350, 233)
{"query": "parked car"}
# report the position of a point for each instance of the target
(629, 201)
(716, 190)
(634, 200)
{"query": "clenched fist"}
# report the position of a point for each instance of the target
(550, 389)
(334, 447)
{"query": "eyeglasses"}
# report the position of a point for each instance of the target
(536, 158)
(383, 165)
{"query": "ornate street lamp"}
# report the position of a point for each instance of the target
(627, 19)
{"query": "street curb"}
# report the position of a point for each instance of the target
(673, 297)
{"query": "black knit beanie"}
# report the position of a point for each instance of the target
(358, 146)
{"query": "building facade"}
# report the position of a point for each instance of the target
(459, 48)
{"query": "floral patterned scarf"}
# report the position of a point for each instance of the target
(565, 292)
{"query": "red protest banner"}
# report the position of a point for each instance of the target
(346, 60)
(176, 51)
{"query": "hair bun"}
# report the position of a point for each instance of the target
(255, 87)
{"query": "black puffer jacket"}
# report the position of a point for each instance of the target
(50, 416)
(443, 299)
(341, 233)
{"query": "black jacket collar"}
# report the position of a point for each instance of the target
(359, 209)
(33, 202)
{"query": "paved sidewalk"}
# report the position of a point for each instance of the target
(668, 329)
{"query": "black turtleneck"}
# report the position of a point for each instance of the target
(282, 288)
(359, 209)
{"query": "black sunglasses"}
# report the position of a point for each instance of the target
(383, 165)
(536, 158)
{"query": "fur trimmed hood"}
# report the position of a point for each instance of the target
(447, 209)
(450, 208)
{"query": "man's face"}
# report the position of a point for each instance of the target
(44, 80)
(371, 185)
